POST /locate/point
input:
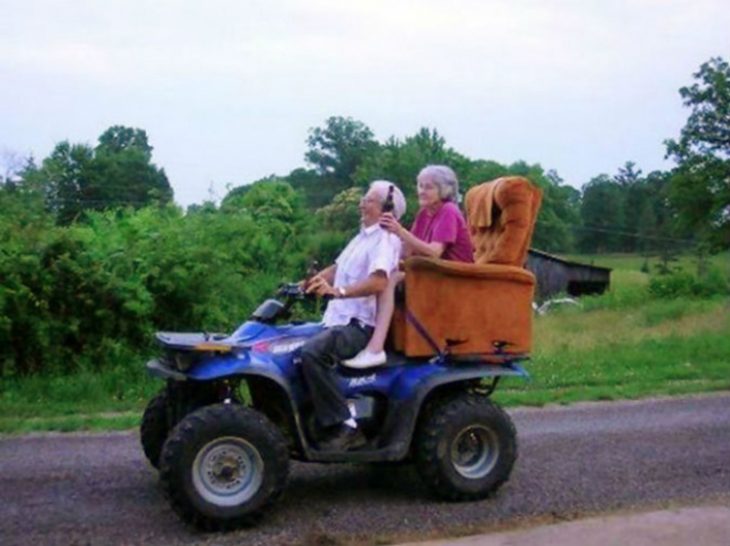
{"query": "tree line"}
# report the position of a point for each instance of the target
(94, 254)
(624, 212)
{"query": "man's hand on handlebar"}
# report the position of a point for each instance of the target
(305, 284)
(319, 286)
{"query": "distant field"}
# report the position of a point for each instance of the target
(656, 348)
(623, 344)
(634, 262)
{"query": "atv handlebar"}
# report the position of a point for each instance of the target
(292, 290)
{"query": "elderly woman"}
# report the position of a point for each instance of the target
(439, 231)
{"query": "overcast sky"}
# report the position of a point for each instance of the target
(227, 90)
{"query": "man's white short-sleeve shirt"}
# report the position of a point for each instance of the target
(371, 250)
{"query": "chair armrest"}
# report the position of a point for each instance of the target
(472, 271)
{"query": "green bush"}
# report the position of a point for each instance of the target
(672, 285)
(630, 288)
(681, 283)
(713, 283)
(91, 294)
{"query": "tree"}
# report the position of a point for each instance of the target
(127, 178)
(11, 165)
(601, 215)
(700, 185)
(65, 176)
(343, 213)
(119, 138)
(482, 170)
(124, 172)
(636, 207)
(338, 148)
(628, 175)
(559, 213)
(23, 205)
(308, 182)
(400, 161)
(271, 200)
(118, 172)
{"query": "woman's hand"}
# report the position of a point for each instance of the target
(388, 222)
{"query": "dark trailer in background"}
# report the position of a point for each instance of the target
(558, 276)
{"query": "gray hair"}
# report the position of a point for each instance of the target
(445, 179)
(381, 187)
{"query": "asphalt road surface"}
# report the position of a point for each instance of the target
(589, 458)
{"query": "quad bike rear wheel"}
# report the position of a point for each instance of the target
(223, 465)
(154, 428)
(164, 411)
(465, 447)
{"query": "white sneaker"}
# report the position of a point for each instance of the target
(365, 359)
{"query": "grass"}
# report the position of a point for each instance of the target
(620, 345)
(70, 423)
(123, 388)
(85, 401)
(625, 344)
(687, 355)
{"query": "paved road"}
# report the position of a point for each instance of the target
(98, 489)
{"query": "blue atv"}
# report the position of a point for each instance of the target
(235, 409)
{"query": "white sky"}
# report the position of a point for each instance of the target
(227, 90)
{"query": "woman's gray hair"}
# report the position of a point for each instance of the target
(382, 187)
(445, 179)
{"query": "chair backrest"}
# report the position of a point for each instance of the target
(501, 215)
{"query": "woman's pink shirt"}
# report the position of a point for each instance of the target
(447, 226)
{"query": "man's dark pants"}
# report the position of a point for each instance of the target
(320, 356)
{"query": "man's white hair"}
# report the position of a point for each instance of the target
(381, 187)
(445, 179)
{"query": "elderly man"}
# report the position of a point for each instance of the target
(358, 275)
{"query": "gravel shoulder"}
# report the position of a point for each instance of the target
(708, 525)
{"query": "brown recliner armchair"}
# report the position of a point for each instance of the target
(470, 307)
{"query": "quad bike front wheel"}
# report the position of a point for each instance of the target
(223, 465)
(465, 447)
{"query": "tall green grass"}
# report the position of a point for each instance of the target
(121, 388)
(656, 366)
